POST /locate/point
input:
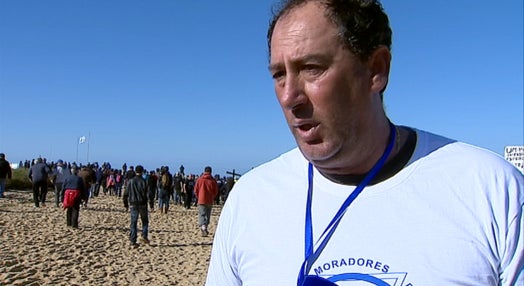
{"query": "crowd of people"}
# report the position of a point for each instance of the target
(164, 187)
(141, 191)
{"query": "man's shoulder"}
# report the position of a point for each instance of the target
(457, 155)
(291, 164)
(289, 161)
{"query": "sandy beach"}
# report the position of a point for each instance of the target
(37, 248)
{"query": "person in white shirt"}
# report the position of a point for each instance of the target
(362, 201)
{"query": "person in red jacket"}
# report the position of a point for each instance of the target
(206, 189)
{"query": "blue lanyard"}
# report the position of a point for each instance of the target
(312, 256)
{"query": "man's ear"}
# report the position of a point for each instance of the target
(378, 64)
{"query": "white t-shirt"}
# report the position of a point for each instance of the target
(452, 216)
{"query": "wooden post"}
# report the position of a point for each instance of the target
(234, 174)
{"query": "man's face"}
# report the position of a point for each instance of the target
(323, 89)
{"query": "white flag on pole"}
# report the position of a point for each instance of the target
(81, 140)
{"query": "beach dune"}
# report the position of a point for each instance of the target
(37, 248)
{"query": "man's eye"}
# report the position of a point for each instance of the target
(313, 69)
(278, 75)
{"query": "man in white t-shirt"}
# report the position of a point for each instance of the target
(362, 201)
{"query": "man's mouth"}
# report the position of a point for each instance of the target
(307, 131)
(305, 127)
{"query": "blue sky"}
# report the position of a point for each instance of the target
(186, 82)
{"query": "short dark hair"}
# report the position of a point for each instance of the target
(139, 169)
(207, 169)
(362, 24)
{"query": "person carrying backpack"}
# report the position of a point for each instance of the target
(166, 182)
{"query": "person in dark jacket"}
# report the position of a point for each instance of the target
(38, 175)
(88, 175)
(135, 195)
(73, 185)
(59, 175)
(5, 173)
(188, 187)
(99, 174)
(152, 186)
(166, 184)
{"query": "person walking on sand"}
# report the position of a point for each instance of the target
(177, 188)
(5, 173)
(59, 176)
(135, 194)
(151, 189)
(166, 180)
(88, 175)
(73, 190)
(188, 189)
(38, 175)
(206, 189)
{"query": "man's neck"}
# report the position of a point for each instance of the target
(402, 151)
